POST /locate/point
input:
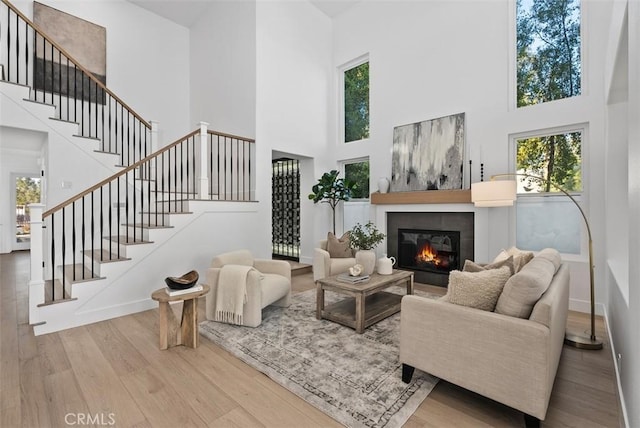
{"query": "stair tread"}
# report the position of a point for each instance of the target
(61, 120)
(104, 256)
(85, 136)
(33, 101)
(48, 296)
(82, 273)
(153, 213)
(104, 152)
(148, 226)
(127, 240)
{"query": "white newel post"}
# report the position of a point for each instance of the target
(204, 176)
(36, 283)
(151, 170)
(154, 135)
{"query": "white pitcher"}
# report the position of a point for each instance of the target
(385, 265)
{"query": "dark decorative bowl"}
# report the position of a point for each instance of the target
(183, 282)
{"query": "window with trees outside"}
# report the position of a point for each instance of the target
(546, 217)
(356, 102)
(356, 210)
(548, 50)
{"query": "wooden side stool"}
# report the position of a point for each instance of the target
(188, 325)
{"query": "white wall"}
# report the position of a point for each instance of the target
(147, 59)
(434, 58)
(294, 83)
(622, 79)
(223, 68)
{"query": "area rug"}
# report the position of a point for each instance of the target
(354, 378)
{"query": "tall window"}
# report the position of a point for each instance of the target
(548, 50)
(356, 102)
(356, 210)
(545, 217)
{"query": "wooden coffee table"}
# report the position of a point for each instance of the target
(366, 303)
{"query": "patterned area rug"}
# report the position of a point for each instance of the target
(354, 378)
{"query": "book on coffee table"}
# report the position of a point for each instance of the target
(345, 277)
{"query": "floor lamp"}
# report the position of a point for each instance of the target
(502, 193)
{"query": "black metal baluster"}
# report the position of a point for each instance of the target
(17, 50)
(155, 188)
(126, 209)
(83, 237)
(118, 217)
(110, 234)
(101, 223)
(53, 253)
(210, 149)
(92, 235)
(59, 109)
(175, 178)
(8, 44)
(75, 93)
(73, 235)
(181, 176)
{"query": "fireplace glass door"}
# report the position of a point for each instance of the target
(436, 251)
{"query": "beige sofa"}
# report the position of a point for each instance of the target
(324, 265)
(509, 359)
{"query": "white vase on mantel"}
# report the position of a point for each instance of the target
(383, 184)
(367, 258)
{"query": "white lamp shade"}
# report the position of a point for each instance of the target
(499, 193)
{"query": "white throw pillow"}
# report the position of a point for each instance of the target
(520, 258)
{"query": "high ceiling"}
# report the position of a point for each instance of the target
(187, 12)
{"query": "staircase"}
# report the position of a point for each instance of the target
(100, 253)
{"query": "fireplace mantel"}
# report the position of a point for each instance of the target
(423, 197)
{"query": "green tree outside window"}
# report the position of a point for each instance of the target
(358, 173)
(356, 103)
(548, 50)
(556, 158)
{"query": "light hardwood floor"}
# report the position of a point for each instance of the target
(113, 372)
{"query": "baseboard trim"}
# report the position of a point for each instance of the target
(617, 368)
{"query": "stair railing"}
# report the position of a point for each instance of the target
(29, 57)
(92, 226)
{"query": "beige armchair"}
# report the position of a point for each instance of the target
(324, 265)
(268, 284)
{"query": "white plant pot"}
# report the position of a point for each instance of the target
(367, 258)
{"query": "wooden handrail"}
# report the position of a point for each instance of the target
(118, 174)
(84, 70)
(222, 134)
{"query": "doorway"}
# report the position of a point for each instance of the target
(26, 190)
(285, 183)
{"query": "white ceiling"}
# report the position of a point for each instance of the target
(333, 8)
(187, 12)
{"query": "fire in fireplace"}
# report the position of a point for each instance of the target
(435, 251)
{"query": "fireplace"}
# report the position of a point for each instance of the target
(430, 243)
(436, 251)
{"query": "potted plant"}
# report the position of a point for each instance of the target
(331, 190)
(365, 239)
